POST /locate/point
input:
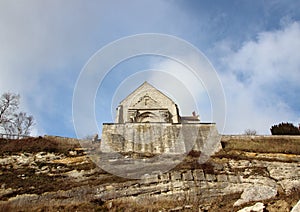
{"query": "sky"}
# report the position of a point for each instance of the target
(252, 45)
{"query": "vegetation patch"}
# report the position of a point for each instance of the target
(25, 181)
(262, 144)
(34, 145)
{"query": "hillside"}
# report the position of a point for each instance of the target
(54, 174)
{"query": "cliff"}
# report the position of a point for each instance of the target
(54, 174)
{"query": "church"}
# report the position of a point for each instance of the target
(148, 121)
(147, 104)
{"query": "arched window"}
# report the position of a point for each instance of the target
(147, 117)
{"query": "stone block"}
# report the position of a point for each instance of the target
(222, 178)
(187, 176)
(175, 176)
(148, 179)
(164, 177)
(198, 175)
(210, 177)
(233, 179)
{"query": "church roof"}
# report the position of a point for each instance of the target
(145, 86)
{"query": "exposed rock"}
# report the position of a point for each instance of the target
(43, 170)
(259, 180)
(280, 205)
(256, 193)
(46, 156)
(24, 199)
(290, 185)
(75, 173)
(282, 171)
(72, 160)
(41, 180)
(4, 191)
(258, 207)
(73, 153)
(296, 208)
(148, 179)
(181, 208)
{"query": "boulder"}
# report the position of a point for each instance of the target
(258, 207)
(256, 193)
(296, 208)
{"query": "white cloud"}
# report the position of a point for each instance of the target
(274, 54)
(44, 45)
(187, 79)
(259, 78)
(201, 82)
(38, 41)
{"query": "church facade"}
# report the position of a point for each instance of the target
(147, 104)
(148, 121)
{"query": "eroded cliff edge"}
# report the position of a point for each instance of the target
(54, 173)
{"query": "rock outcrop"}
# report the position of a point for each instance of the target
(231, 180)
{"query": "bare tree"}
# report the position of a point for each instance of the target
(22, 124)
(12, 121)
(9, 103)
(250, 132)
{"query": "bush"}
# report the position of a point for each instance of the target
(285, 129)
(250, 132)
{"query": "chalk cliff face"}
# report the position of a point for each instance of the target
(53, 173)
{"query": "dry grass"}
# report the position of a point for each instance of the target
(262, 144)
(25, 181)
(72, 160)
(239, 147)
(178, 203)
(38, 144)
(79, 207)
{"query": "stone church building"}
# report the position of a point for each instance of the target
(148, 121)
(147, 104)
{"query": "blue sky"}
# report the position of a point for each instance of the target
(253, 45)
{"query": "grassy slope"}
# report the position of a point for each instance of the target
(236, 147)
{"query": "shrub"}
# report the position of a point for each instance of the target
(285, 129)
(250, 132)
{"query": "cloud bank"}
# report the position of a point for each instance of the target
(253, 45)
(261, 80)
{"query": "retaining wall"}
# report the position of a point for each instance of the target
(159, 138)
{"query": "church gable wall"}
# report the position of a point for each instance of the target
(147, 104)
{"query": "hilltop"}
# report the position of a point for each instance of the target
(54, 174)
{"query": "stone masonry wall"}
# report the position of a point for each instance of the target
(159, 138)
